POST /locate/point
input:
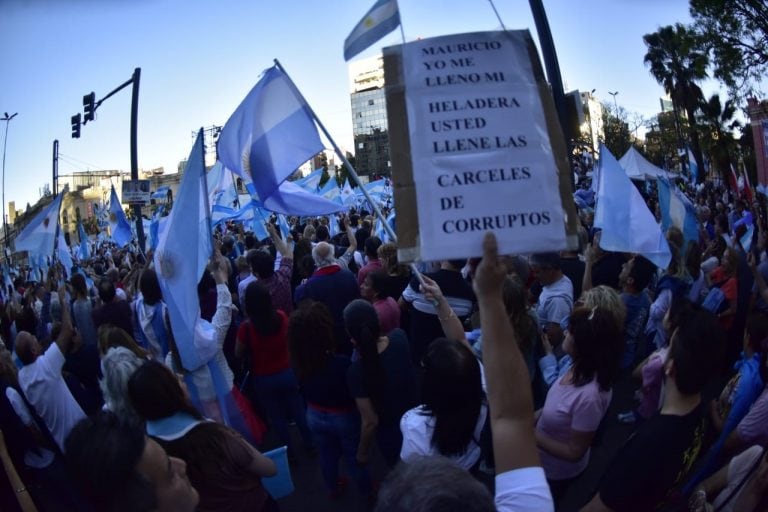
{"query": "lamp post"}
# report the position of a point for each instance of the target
(615, 105)
(7, 118)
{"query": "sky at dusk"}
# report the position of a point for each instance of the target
(199, 59)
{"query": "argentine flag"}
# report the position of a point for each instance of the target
(270, 134)
(677, 210)
(119, 227)
(39, 235)
(380, 20)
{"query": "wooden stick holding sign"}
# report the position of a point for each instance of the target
(350, 169)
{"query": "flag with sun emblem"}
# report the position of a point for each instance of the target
(270, 134)
(181, 257)
(380, 20)
(119, 227)
(38, 237)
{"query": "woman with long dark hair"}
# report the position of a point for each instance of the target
(331, 413)
(224, 468)
(577, 402)
(264, 335)
(382, 381)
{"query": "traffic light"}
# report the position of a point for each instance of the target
(89, 106)
(76, 126)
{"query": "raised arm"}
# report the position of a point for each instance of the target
(280, 245)
(509, 389)
(448, 320)
(64, 340)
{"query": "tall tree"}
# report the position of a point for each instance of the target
(616, 135)
(677, 63)
(735, 32)
(717, 126)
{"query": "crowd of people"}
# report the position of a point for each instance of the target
(504, 365)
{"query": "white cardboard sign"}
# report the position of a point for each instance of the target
(480, 148)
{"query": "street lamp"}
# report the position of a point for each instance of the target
(7, 120)
(615, 105)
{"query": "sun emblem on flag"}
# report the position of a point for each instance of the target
(167, 265)
(112, 217)
(369, 22)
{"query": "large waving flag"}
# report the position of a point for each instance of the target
(270, 134)
(182, 255)
(119, 227)
(39, 235)
(380, 20)
(348, 195)
(627, 223)
(677, 210)
(291, 199)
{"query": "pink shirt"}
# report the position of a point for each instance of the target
(389, 314)
(653, 379)
(568, 408)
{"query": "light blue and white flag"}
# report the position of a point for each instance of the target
(119, 228)
(677, 210)
(381, 231)
(84, 252)
(693, 166)
(270, 134)
(154, 227)
(221, 187)
(348, 197)
(63, 254)
(285, 229)
(259, 223)
(330, 190)
(161, 194)
(380, 20)
(311, 181)
(180, 259)
(39, 235)
(626, 222)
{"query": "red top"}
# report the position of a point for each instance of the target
(269, 354)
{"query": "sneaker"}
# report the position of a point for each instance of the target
(627, 418)
(341, 487)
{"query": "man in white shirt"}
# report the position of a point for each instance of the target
(556, 298)
(41, 381)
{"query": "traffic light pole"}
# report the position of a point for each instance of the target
(135, 154)
(90, 104)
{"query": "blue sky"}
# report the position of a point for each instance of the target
(199, 59)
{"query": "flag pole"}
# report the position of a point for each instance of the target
(205, 195)
(336, 148)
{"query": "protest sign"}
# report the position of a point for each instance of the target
(475, 147)
(136, 192)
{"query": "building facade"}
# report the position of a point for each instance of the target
(369, 117)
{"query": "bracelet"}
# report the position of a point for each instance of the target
(451, 315)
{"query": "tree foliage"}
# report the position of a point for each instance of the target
(735, 33)
(716, 127)
(677, 63)
(616, 135)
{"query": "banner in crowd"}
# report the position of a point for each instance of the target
(484, 154)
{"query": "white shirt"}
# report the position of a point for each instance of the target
(241, 288)
(418, 426)
(34, 460)
(555, 302)
(523, 490)
(46, 390)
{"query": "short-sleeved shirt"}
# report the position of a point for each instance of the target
(753, 428)
(568, 408)
(328, 387)
(653, 462)
(44, 387)
(269, 354)
(389, 314)
(555, 302)
(400, 389)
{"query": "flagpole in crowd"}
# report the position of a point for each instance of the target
(336, 148)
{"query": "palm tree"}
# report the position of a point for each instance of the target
(717, 126)
(677, 63)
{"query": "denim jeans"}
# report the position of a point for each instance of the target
(337, 434)
(279, 395)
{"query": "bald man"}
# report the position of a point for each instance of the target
(332, 285)
(42, 383)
